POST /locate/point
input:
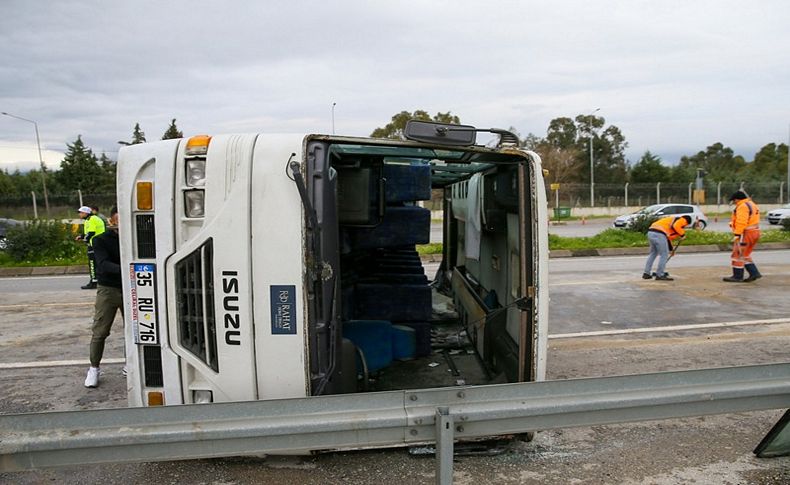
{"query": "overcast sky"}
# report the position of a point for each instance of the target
(675, 76)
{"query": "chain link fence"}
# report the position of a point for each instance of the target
(640, 195)
(61, 206)
(64, 206)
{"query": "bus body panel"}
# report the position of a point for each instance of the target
(540, 244)
(276, 218)
(226, 228)
(154, 163)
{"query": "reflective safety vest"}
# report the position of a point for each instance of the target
(745, 216)
(671, 226)
(93, 227)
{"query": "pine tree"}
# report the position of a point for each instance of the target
(138, 136)
(80, 169)
(108, 168)
(172, 132)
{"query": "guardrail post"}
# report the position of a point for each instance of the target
(444, 446)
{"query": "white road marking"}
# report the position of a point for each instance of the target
(697, 326)
(631, 280)
(23, 305)
(56, 363)
(589, 283)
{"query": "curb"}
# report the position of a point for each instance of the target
(43, 270)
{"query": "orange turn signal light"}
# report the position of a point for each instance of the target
(197, 145)
(145, 196)
(156, 398)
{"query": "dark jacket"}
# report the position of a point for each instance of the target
(108, 258)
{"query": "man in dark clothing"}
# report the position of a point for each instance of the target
(108, 295)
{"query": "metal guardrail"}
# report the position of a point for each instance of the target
(381, 419)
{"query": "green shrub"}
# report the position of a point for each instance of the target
(431, 248)
(786, 224)
(42, 240)
(642, 222)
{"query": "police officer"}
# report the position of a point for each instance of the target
(91, 227)
(745, 226)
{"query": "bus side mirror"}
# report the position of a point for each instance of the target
(440, 133)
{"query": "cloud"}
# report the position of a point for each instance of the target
(24, 157)
(674, 76)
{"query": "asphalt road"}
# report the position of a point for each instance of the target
(594, 294)
(604, 320)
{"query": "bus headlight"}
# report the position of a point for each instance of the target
(194, 203)
(196, 172)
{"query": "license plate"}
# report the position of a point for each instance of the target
(143, 298)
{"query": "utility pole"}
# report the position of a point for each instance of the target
(40, 159)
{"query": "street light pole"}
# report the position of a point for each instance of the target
(592, 170)
(40, 159)
(333, 118)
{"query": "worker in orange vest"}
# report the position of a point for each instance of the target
(660, 237)
(745, 226)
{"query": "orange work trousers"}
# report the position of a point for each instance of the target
(742, 251)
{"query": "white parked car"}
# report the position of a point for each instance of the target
(775, 216)
(665, 210)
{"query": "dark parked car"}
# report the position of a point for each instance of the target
(4, 225)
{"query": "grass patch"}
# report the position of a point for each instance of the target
(6, 261)
(578, 218)
(610, 238)
(430, 248)
(618, 238)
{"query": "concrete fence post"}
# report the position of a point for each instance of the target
(35, 209)
(718, 197)
(626, 194)
(692, 183)
(658, 193)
